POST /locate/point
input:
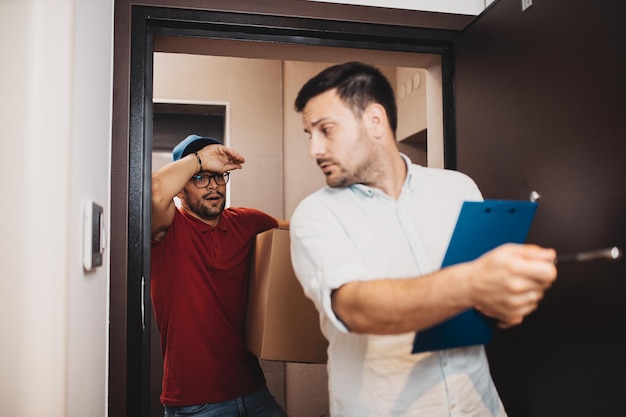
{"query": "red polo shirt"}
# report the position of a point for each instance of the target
(199, 287)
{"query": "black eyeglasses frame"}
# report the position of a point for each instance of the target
(220, 179)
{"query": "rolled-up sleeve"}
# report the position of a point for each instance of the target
(323, 256)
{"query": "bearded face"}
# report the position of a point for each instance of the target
(205, 203)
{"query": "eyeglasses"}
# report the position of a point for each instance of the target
(203, 180)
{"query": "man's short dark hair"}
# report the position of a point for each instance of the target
(357, 84)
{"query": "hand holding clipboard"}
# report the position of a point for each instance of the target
(481, 227)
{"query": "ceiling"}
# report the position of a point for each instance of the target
(467, 7)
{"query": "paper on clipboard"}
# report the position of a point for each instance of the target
(482, 226)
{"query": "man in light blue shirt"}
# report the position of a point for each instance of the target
(367, 250)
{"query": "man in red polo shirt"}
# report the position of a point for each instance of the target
(200, 264)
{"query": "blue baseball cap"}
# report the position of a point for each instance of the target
(191, 144)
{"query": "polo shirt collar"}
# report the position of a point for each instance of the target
(201, 226)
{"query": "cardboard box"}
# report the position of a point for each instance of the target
(283, 324)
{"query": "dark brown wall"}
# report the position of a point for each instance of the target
(541, 105)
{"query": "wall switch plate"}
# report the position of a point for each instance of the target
(526, 4)
(93, 235)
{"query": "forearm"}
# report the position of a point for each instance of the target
(394, 306)
(506, 283)
(170, 179)
(167, 182)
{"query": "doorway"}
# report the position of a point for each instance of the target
(155, 27)
(265, 128)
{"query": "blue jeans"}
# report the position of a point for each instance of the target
(257, 404)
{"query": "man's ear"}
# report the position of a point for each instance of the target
(375, 118)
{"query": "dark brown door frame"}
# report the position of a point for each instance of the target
(148, 22)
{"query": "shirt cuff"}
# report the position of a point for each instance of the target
(343, 275)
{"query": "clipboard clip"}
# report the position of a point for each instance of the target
(534, 196)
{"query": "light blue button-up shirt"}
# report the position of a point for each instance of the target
(358, 233)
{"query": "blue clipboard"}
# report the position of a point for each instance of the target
(482, 226)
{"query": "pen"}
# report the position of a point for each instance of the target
(607, 253)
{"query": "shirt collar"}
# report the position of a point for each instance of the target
(408, 182)
(222, 225)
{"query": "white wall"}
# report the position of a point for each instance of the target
(468, 7)
(251, 90)
(56, 121)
